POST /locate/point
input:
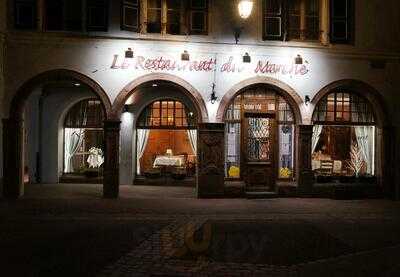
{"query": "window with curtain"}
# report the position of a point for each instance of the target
(166, 136)
(343, 141)
(83, 137)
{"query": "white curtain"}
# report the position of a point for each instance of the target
(192, 134)
(73, 138)
(142, 137)
(365, 139)
(317, 130)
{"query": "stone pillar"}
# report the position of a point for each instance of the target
(210, 168)
(396, 162)
(111, 159)
(13, 164)
(390, 178)
(386, 170)
(305, 175)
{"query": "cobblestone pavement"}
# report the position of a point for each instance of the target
(73, 232)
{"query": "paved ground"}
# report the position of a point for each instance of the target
(68, 230)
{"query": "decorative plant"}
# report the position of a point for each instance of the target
(285, 172)
(356, 161)
(95, 158)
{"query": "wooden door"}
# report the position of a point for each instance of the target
(259, 148)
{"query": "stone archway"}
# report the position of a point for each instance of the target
(385, 168)
(18, 100)
(295, 102)
(366, 90)
(13, 143)
(290, 95)
(168, 87)
(181, 84)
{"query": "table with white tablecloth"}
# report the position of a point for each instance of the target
(164, 160)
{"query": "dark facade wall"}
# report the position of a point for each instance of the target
(2, 61)
(376, 21)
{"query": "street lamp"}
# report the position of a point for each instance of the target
(245, 7)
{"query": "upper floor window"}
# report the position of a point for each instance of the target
(176, 17)
(342, 21)
(67, 15)
(63, 15)
(303, 20)
(291, 19)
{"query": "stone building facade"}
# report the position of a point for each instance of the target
(207, 70)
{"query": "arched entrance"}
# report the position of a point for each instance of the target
(348, 142)
(154, 115)
(260, 137)
(14, 128)
(83, 142)
(166, 144)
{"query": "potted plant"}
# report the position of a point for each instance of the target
(356, 161)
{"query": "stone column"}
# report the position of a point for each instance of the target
(13, 168)
(305, 175)
(396, 163)
(210, 152)
(389, 166)
(111, 158)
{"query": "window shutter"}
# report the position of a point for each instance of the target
(274, 22)
(341, 21)
(198, 17)
(97, 15)
(130, 15)
(25, 14)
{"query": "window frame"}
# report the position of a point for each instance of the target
(349, 20)
(147, 112)
(192, 10)
(128, 4)
(284, 17)
(369, 111)
(239, 99)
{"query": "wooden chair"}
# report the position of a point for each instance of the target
(326, 168)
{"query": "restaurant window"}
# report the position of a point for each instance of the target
(291, 19)
(166, 140)
(343, 141)
(177, 17)
(342, 21)
(25, 14)
(83, 138)
(261, 101)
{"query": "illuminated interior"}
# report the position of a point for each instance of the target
(344, 136)
(166, 140)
